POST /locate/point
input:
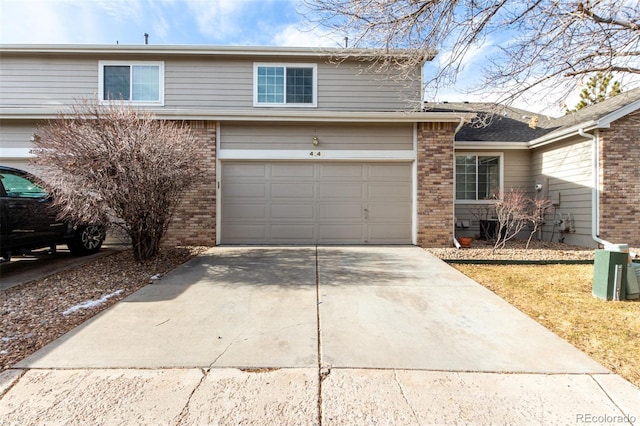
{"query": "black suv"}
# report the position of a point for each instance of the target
(29, 220)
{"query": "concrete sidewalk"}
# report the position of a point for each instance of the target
(299, 335)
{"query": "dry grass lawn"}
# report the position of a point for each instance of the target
(559, 297)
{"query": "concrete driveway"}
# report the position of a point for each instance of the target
(306, 335)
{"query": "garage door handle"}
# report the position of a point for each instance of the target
(366, 214)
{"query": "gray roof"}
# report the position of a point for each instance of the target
(509, 124)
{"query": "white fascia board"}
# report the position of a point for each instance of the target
(260, 114)
(562, 134)
(15, 153)
(315, 154)
(490, 145)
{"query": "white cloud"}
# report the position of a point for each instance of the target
(217, 19)
(26, 22)
(294, 36)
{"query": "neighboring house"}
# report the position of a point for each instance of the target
(302, 146)
(587, 163)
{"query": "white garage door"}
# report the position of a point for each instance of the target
(309, 203)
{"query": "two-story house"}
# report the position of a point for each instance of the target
(303, 146)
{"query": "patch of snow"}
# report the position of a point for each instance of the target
(14, 337)
(91, 303)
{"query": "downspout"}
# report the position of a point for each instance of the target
(595, 192)
(455, 240)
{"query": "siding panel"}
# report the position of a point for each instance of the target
(198, 82)
(338, 136)
(565, 171)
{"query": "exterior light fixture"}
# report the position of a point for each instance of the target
(315, 141)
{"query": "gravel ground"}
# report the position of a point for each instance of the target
(515, 250)
(33, 314)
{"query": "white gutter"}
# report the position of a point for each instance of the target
(595, 192)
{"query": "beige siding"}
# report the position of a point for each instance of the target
(16, 133)
(565, 170)
(197, 82)
(331, 136)
(45, 81)
(202, 83)
(517, 175)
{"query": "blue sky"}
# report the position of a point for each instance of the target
(213, 22)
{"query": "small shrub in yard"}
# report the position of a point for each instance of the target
(514, 211)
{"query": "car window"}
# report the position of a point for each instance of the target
(20, 186)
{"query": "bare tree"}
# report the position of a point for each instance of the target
(114, 164)
(536, 41)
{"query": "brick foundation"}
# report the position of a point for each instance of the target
(620, 181)
(435, 184)
(194, 222)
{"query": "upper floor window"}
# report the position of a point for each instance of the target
(478, 177)
(138, 82)
(284, 85)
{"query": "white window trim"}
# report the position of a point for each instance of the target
(285, 65)
(160, 64)
(478, 154)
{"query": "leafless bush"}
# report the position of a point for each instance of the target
(515, 211)
(114, 164)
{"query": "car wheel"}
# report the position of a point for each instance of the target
(87, 240)
(6, 256)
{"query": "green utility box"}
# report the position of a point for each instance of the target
(633, 281)
(604, 274)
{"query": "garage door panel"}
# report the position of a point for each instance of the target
(293, 212)
(255, 170)
(341, 190)
(388, 191)
(288, 170)
(292, 190)
(251, 190)
(389, 233)
(292, 233)
(337, 212)
(341, 172)
(386, 211)
(244, 211)
(335, 233)
(316, 202)
(389, 172)
(240, 233)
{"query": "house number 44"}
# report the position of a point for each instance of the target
(315, 154)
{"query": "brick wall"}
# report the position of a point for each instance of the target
(620, 181)
(195, 220)
(435, 184)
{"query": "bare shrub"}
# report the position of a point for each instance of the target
(114, 164)
(515, 211)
